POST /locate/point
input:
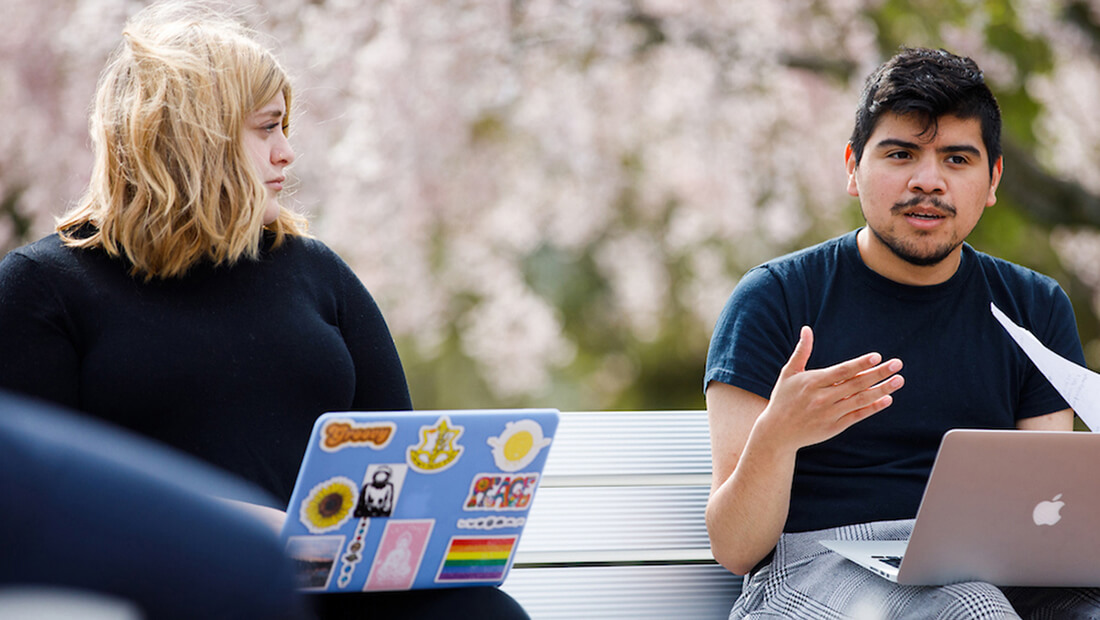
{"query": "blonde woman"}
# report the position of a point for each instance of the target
(178, 298)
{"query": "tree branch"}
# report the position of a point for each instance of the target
(1049, 199)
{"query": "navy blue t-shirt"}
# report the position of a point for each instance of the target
(962, 370)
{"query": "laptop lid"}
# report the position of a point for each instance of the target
(1008, 507)
(415, 499)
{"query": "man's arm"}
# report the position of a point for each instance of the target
(1057, 421)
(745, 489)
(754, 442)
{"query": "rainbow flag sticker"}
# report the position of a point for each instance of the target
(476, 558)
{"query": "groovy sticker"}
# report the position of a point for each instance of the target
(518, 445)
(328, 505)
(476, 558)
(501, 492)
(437, 449)
(339, 433)
(399, 554)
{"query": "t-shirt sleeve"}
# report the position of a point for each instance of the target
(1059, 334)
(380, 383)
(37, 353)
(753, 337)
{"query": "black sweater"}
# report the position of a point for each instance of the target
(232, 364)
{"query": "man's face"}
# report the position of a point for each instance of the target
(921, 195)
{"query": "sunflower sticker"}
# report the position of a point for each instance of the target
(329, 505)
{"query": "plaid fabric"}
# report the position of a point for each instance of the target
(806, 581)
(1056, 603)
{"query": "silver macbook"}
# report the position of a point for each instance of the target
(1008, 507)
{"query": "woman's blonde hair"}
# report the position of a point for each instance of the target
(172, 183)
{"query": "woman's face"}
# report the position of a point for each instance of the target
(268, 150)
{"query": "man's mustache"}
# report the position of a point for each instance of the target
(918, 201)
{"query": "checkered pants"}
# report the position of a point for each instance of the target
(806, 581)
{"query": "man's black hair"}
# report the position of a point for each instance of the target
(929, 84)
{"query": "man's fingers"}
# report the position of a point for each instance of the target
(826, 401)
(801, 355)
(863, 413)
(863, 380)
(846, 371)
(866, 403)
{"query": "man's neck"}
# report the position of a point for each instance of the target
(884, 262)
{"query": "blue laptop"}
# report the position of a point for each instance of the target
(415, 499)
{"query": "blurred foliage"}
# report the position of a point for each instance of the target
(449, 155)
(1017, 229)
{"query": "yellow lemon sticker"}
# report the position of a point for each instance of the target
(518, 445)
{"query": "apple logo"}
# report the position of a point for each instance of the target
(1047, 512)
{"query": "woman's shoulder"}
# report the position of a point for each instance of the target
(45, 264)
(311, 245)
(312, 258)
(310, 250)
(45, 248)
(47, 252)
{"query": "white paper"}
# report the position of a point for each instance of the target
(1077, 384)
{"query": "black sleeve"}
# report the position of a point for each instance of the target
(38, 355)
(380, 383)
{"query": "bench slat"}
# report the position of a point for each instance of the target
(635, 557)
(699, 592)
(615, 518)
(628, 480)
(610, 443)
(617, 528)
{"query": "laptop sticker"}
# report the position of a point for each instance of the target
(501, 492)
(354, 554)
(339, 433)
(313, 558)
(518, 445)
(476, 558)
(438, 448)
(328, 505)
(399, 554)
(492, 522)
(381, 488)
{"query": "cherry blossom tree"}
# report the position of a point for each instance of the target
(552, 199)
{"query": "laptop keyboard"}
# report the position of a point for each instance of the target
(892, 560)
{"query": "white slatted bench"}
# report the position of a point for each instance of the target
(617, 529)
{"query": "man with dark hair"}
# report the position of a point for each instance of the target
(823, 443)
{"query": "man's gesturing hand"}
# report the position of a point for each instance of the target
(810, 406)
